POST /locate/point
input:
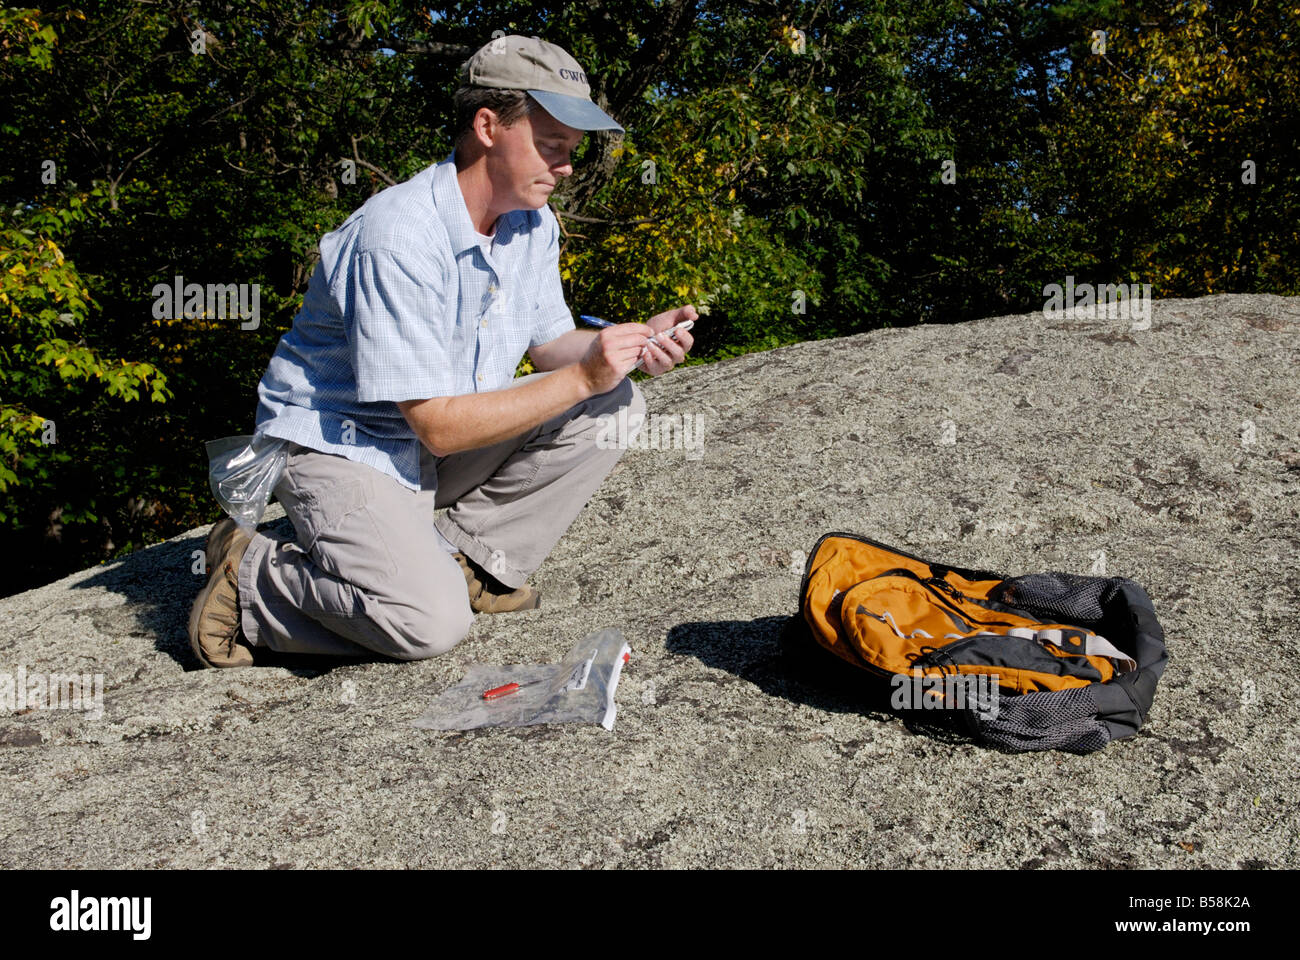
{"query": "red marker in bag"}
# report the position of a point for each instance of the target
(507, 689)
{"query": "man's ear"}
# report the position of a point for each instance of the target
(485, 127)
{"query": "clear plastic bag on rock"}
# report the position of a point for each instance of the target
(578, 689)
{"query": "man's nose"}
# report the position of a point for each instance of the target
(564, 169)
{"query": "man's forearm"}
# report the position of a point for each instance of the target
(448, 425)
(567, 348)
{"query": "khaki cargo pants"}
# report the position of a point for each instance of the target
(368, 573)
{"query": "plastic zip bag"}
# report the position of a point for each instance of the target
(242, 472)
(578, 689)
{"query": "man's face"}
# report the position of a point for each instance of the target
(527, 160)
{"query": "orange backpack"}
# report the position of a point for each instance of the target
(1070, 662)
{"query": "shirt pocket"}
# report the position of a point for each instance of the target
(510, 330)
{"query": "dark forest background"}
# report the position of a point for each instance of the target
(875, 163)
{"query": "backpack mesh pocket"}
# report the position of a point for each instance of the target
(1058, 597)
(1049, 720)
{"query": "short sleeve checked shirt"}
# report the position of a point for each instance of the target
(405, 304)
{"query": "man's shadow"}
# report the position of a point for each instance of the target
(160, 584)
(779, 656)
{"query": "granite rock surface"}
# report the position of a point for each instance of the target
(1167, 452)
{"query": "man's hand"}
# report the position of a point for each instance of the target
(612, 355)
(664, 354)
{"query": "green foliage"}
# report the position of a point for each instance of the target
(26, 42)
(1165, 130)
(767, 180)
(681, 234)
(51, 372)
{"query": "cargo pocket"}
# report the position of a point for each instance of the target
(338, 531)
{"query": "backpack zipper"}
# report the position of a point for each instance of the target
(944, 591)
(930, 657)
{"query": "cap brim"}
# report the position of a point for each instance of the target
(577, 112)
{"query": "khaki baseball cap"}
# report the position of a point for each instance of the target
(546, 72)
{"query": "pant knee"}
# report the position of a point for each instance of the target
(437, 632)
(624, 397)
(628, 395)
(616, 416)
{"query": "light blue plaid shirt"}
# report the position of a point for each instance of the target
(405, 304)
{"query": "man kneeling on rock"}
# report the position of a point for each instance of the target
(394, 391)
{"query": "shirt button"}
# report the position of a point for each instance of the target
(483, 322)
(492, 288)
(480, 378)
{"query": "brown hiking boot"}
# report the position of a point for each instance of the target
(487, 595)
(220, 538)
(215, 633)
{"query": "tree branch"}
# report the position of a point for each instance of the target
(370, 166)
(619, 223)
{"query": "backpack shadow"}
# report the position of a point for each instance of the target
(777, 655)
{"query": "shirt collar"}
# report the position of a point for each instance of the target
(451, 203)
